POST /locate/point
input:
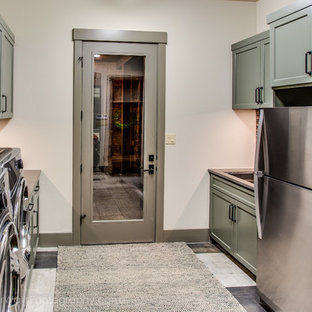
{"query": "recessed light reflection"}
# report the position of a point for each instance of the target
(97, 55)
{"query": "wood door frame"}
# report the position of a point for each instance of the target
(158, 38)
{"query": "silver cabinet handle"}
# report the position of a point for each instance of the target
(258, 174)
(5, 103)
(36, 226)
(309, 72)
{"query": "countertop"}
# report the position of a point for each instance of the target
(225, 173)
(32, 177)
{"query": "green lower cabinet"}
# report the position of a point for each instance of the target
(246, 237)
(233, 221)
(222, 229)
(34, 225)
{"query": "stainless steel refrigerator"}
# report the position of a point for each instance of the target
(283, 193)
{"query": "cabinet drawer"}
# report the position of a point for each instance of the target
(231, 189)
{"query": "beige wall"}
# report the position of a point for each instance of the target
(198, 95)
(265, 7)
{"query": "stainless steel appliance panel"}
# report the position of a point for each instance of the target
(284, 259)
(287, 142)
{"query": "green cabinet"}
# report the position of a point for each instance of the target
(246, 236)
(222, 225)
(251, 73)
(291, 45)
(233, 220)
(6, 70)
(34, 224)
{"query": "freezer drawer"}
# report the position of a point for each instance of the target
(287, 148)
(284, 255)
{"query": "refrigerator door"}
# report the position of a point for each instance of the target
(287, 144)
(284, 256)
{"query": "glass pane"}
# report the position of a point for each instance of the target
(118, 137)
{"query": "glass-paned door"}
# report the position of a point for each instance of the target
(118, 142)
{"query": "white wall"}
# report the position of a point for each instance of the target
(198, 95)
(265, 7)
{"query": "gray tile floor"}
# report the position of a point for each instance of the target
(227, 272)
(117, 197)
(41, 293)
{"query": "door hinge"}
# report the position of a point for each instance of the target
(82, 217)
(81, 115)
(80, 168)
(80, 59)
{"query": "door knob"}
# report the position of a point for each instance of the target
(150, 169)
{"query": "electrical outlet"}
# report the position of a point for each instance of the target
(171, 139)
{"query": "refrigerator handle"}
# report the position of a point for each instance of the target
(259, 139)
(258, 174)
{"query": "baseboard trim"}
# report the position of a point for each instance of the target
(55, 239)
(188, 236)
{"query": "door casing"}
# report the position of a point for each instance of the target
(157, 38)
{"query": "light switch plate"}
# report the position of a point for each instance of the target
(171, 139)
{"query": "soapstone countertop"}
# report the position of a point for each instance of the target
(228, 174)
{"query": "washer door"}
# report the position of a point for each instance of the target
(10, 278)
(22, 218)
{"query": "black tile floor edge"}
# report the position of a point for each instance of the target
(248, 298)
(46, 260)
(204, 248)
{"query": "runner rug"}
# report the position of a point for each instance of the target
(139, 278)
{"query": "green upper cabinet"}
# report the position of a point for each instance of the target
(6, 70)
(251, 74)
(291, 44)
(267, 92)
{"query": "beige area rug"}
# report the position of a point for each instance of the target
(139, 278)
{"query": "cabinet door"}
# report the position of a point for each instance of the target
(246, 76)
(246, 236)
(290, 41)
(267, 92)
(32, 255)
(34, 226)
(35, 233)
(221, 225)
(6, 76)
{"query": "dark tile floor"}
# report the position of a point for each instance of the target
(203, 248)
(46, 260)
(248, 298)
